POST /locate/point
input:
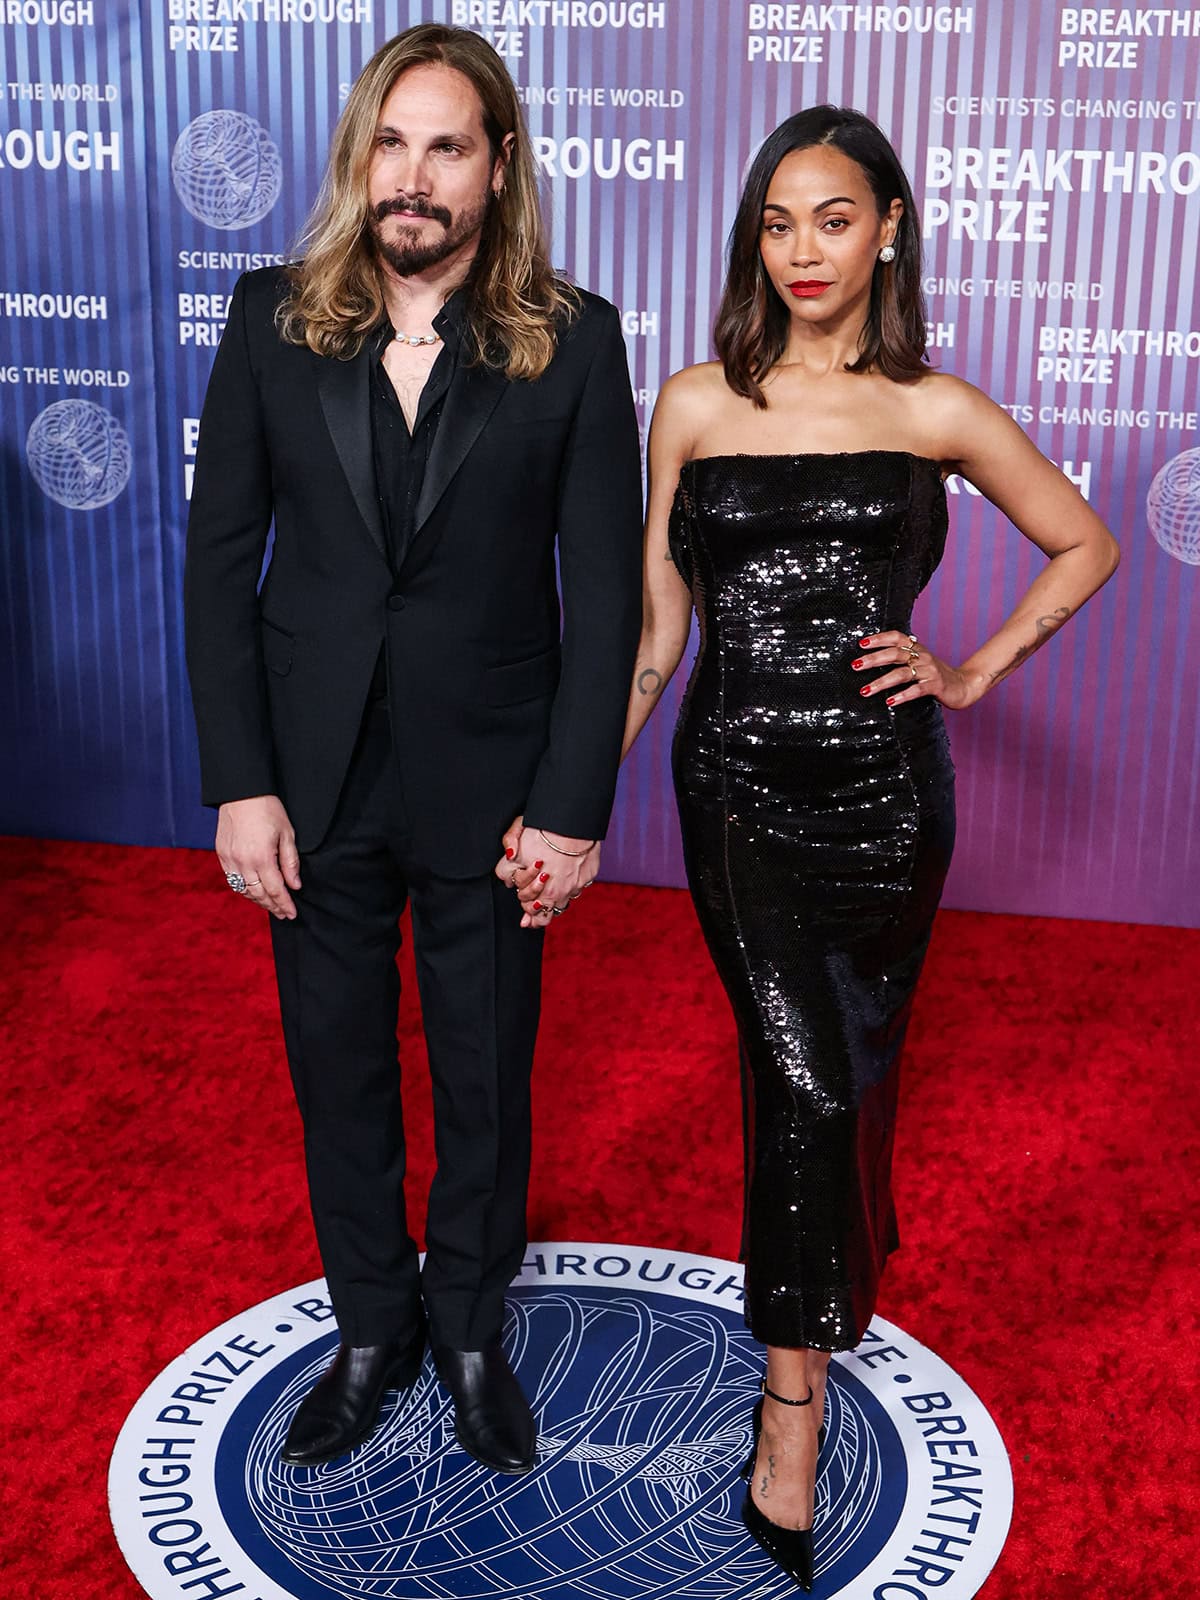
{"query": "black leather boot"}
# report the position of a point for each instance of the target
(341, 1410)
(492, 1419)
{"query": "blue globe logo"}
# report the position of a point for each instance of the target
(79, 454)
(1173, 507)
(643, 1406)
(226, 169)
(642, 1377)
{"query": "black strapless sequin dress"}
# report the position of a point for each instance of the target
(817, 830)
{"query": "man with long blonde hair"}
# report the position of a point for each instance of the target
(426, 412)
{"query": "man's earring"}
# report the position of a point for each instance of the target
(888, 253)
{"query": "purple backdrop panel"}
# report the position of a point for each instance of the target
(1057, 171)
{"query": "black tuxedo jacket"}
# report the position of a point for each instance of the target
(500, 701)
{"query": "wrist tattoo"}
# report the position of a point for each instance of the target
(1044, 627)
(649, 681)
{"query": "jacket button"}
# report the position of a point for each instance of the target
(395, 602)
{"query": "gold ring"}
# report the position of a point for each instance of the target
(512, 882)
(913, 670)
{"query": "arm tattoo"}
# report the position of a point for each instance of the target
(1044, 626)
(649, 681)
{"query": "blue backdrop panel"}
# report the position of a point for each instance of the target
(84, 742)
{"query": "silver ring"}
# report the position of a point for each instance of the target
(557, 911)
(236, 882)
(512, 882)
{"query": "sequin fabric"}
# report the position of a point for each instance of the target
(817, 829)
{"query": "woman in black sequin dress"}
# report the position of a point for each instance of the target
(797, 504)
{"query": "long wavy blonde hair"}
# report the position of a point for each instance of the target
(516, 302)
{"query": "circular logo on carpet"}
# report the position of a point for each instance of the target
(642, 1377)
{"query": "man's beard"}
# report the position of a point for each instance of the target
(413, 251)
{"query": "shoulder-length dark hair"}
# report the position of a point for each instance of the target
(752, 323)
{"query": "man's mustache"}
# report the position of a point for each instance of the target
(416, 208)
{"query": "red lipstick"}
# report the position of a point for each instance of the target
(808, 288)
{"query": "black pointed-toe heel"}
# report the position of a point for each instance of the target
(789, 1548)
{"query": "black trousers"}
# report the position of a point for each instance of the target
(479, 979)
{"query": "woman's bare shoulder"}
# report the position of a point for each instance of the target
(687, 401)
(946, 411)
(944, 397)
(696, 385)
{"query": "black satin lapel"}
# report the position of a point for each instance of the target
(346, 401)
(473, 395)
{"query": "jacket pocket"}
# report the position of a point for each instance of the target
(514, 681)
(277, 648)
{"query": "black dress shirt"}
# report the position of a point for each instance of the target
(401, 455)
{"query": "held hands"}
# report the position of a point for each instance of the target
(917, 671)
(257, 851)
(546, 879)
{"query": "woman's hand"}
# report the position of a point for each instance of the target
(916, 672)
(547, 870)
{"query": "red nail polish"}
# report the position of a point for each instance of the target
(863, 644)
(538, 865)
(545, 877)
(866, 689)
(891, 700)
(510, 854)
(857, 663)
(537, 905)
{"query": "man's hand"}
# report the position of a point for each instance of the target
(546, 879)
(255, 838)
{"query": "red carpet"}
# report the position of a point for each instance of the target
(1045, 1181)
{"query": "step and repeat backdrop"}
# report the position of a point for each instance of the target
(151, 152)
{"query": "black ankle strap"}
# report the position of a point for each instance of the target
(783, 1400)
